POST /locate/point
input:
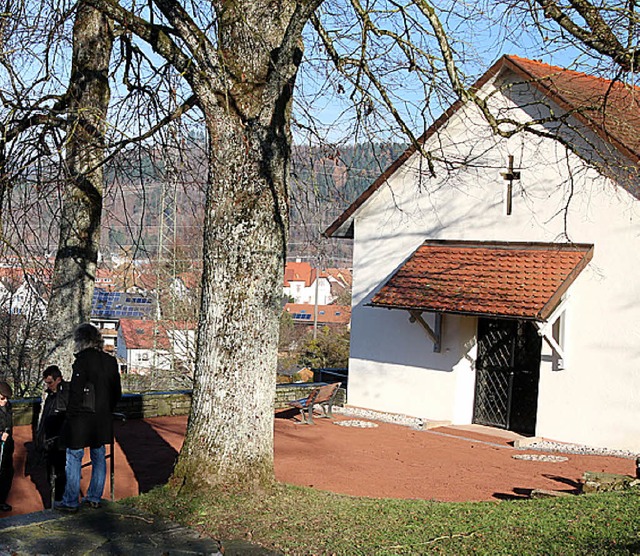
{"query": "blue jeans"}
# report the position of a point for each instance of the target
(73, 471)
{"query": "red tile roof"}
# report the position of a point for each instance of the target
(139, 334)
(610, 108)
(191, 279)
(18, 274)
(327, 314)
(516, 280)
(342, 275)
(299, 272)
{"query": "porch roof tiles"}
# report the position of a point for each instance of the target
(501, 279)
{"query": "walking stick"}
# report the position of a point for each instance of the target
(1, 453)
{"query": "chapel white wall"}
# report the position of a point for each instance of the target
(594, 399)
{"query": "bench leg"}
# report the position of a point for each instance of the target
(306, 419)
(328, 410)
(310, 415)
(303, 419)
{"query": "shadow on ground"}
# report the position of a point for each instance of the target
(150, 457)
(525, 493)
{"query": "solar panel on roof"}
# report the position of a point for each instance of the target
(120, 305)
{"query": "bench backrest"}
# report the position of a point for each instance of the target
(325, 393)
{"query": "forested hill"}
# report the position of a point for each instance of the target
(324, 181)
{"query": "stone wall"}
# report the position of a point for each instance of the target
(160, 404)
(134, 406)
(289, 392)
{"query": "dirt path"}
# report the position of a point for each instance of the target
(447, 464)
(440, 464)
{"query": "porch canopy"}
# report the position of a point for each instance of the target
(491, 279)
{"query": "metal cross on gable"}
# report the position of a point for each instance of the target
(510, 175)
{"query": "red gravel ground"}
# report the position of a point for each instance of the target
(447, 464)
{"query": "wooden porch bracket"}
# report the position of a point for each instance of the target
(434, 335)
(545, 329)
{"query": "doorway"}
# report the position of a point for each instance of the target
(507, 375)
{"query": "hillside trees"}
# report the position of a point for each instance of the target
(238, 64)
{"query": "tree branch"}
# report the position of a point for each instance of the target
(601, 38)
(341, 63)
(157, 36)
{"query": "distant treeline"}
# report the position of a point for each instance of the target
(324, 181)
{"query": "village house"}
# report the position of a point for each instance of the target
(109, 308)
(185, 284)
(23, 291)
(145, 346)
(327, 315)
(306, 284)
(496, 282)
(105, 279)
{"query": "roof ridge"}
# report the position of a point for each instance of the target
(559, 69)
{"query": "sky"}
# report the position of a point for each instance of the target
(323, 100)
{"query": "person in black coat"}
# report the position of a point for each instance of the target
(6, 445)
(95, 375)
(48, 440)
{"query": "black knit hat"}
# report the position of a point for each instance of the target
(5, 389)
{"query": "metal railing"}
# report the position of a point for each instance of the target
(332, 375)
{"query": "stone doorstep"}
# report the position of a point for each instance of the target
(433, 424)
(525, 442)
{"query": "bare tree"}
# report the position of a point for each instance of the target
(77, 254)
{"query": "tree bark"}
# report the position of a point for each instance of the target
(77, 254)
(229, 440)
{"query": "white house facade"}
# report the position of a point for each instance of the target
(146, 346)
(435, 319)
(305, 284)
(25, 300)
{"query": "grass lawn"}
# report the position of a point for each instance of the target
(303, 521)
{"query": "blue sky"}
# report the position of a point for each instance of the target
(477, 37)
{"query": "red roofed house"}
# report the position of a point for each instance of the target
(497, 283)
(186, 284)
(147, 345)
(328, 315)
(105, 279)
(300, 284)
(23, 291)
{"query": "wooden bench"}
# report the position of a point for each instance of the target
(322, 396)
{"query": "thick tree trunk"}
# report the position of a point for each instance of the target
(229, 440)
(77, 255)
(230, 434)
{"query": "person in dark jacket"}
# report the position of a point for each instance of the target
(6, 445)
(48, 441)
(85, 426)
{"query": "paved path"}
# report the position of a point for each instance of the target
(144, 454)
(114, 529)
